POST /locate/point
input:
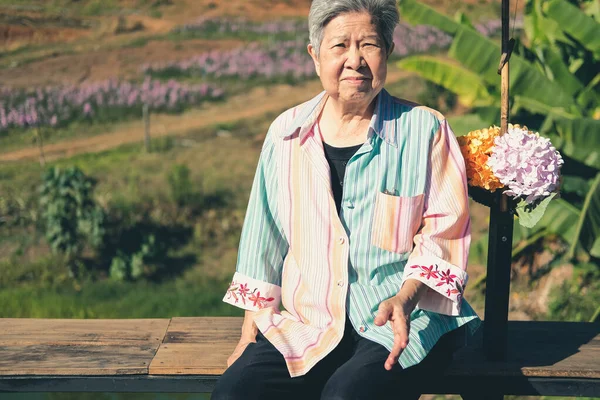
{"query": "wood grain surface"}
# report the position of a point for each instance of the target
(79, 347)
(197, 346)
(201, 345)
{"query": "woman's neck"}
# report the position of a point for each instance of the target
(346, 113)
(345, 125)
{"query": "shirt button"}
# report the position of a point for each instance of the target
(362, 328)
(349, 204)
(340, 283)
(341, 240)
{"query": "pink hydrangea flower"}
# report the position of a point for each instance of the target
(526, 163)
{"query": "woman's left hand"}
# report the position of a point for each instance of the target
(397, 310)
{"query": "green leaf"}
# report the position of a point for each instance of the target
(462, 19)
(558, 219)
(541, 30)
(538, 107)
(588, 225)
(592, 8)
(481, 55)
(589, 97)
(463, 124)
(595, 250)
(577, 138)
(575, 185)
(557, 70)
(576, 23)
(417, 13)
(467, 85)
(529, 216)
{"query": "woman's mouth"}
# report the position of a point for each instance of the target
(356, 79)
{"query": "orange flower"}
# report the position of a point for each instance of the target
(476, 147)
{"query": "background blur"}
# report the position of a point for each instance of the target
(130, 132)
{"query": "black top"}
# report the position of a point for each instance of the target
(338, 157)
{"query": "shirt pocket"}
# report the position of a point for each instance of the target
(396, 220)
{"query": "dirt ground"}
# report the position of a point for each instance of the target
(98, 65)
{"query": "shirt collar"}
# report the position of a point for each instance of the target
(309, 112)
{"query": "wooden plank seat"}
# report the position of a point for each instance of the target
(189, 354)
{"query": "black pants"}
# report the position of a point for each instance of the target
(352, 371)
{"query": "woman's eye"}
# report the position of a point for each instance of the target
(339, 45)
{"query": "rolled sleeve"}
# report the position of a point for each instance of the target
(439, 257)
(263, 246)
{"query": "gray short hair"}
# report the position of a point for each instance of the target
(383, 12)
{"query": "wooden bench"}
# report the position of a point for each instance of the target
(189, 354)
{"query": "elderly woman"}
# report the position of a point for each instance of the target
(358, 225)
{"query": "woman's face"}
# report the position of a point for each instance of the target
(352, 60)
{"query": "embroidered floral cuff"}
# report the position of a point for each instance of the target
(446, 283)
(251, 294)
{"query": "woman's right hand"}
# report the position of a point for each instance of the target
(249, 332)
(239, 349)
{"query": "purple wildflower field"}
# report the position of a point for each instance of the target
(240, 26)
(110, 99)
(285, 59)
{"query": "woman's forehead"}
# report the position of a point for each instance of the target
(346, 24)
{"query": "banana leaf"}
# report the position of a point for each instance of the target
(462, 19)
(576, 23)
(481, 55)
(467, 85)
(577, 138)
(541, 30)
(538, 107)
(418, 13)
(589, 97)
(463, 124)
(558, 219)
(587, 230)
(557, 71)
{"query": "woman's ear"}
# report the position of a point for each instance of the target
(313, 54)
(391, 49)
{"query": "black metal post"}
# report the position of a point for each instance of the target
(498, 280)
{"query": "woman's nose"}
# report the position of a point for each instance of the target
(355, 59)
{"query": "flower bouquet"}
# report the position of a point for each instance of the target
(521, 163)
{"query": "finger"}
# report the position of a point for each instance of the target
(401, 328)
(394, 353)
(384, 313)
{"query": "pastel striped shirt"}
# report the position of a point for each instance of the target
(404, 215)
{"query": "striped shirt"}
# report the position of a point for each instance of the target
(303, 267)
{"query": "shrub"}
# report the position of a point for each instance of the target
(71, 217)
(182, 189)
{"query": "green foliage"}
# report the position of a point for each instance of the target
(577, 138)
(113, 299)
(554, 87)
(466, 84)
(529, 216)
(137, 265)
(578, 298)
(99, 7)
(183, 191)
(72, 219)
(574, 22)
(588, 225)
